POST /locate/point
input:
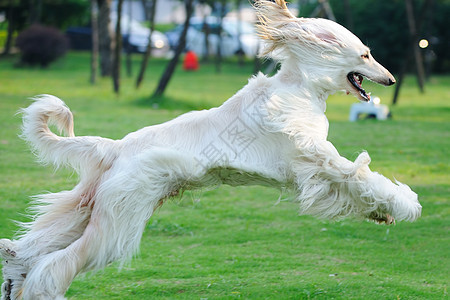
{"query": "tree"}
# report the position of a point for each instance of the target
(413, 31)
(117, 49)
(10, 16)
(384, 28)
(222, 12)
(20, 14)
(35, 11)
(94, 53)
(412, 49)
(167, 75)
(104, 42)
(206, 28)
(151, 17)
(240, 53)
(128, 49)
(324, 10)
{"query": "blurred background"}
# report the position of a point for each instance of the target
(404, 35)
(123, 65)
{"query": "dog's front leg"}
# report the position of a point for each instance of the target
(331, 186)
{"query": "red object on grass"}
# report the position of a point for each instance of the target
(190, 62)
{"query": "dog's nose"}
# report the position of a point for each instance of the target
(391, 81)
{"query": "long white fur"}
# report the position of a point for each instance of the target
(273, 132)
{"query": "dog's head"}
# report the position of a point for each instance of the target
(325, 50)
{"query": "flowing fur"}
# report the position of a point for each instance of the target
(273, 132)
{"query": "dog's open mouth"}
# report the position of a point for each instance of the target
(356, 80)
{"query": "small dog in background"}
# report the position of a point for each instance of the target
(273, 132)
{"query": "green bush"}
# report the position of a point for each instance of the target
(41, 45)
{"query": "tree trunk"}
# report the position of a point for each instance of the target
(147, 9)
(129, 49)
(35, 11)
(414, 33)
(219, 43)
(410, 49)
(206, 31)
(117, 49)
(94, 53)
(11, 24)
(257, 62)
(167, 75)
(323, 9)
(327, 9)
(104, 35)
(240, 53)
(401, 75)
(148, 51)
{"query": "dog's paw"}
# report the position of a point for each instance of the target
(387, 219)
(405, 205)
(6, 290)
(362, 160)
(383, 219)
(7, 249)
(361, 165)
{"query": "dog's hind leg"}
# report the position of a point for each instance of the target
(13, 272)
(105, 239)
(124, 202)
(58, 224)
(331, 186)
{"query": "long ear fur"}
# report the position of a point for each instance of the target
(272, 17)
(279, 28)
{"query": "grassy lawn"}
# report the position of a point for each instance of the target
(235, 242)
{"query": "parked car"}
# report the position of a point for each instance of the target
(230, 44)
(134, 34)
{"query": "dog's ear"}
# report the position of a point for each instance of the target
(272, 11)
(279, 28)
(273, 16)
(313, 30)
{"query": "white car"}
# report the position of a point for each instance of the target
(135, 35)
(230, 45)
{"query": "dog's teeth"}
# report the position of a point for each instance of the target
(360, 79)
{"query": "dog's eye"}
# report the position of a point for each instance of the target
(365, 56)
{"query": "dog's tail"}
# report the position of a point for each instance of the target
(81, 153)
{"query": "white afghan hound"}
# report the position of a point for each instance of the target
(273, 132)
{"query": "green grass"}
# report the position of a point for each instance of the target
(235, 242)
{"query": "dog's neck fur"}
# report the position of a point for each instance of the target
(303, 101)
(292, 75)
